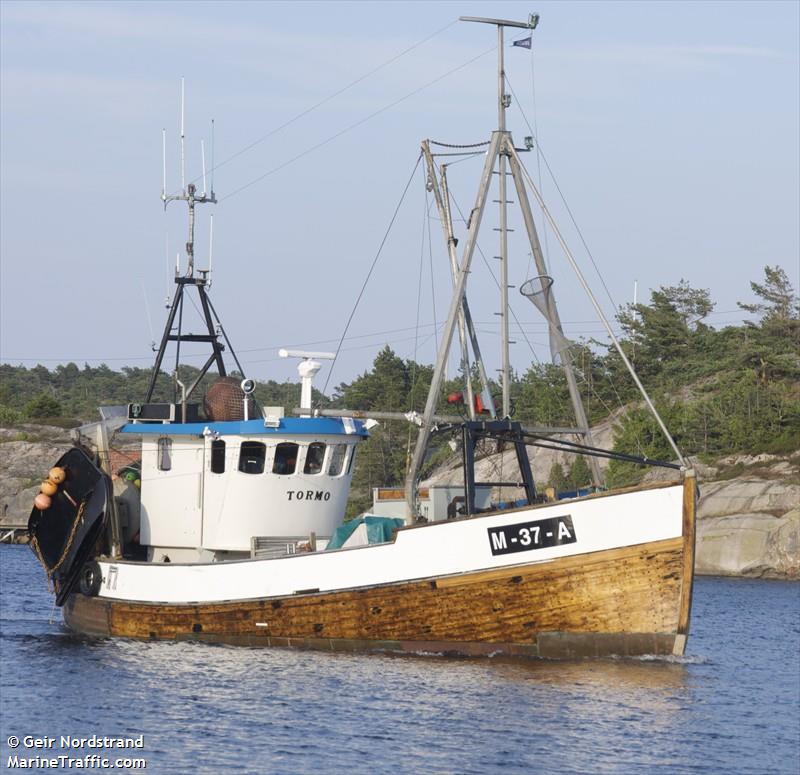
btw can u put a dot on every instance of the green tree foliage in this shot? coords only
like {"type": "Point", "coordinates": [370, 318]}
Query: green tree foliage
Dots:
{"type": "Point", "coordinates": [771, 347]}
{"type": "Point", "coordinates": [738, 387]}
{"type": "Point", "coordinates": [392, 385]}
{"type": "Point", "coordinates": [638, 434]}
{"type": "Point", "coordinates": [541, 397]}
{"type": "Point", "coordinates": [579, 473]}
{"type": "Point", "coordinates": [41, 406]}
{"type": "Point", "coordinates": [557, 479]}
{"type": "Point", "coordinates": [662, 336]}
{"type": "Point", "coordinates": [720, 391]}
{"type": "Point", "coordinates": [10, 416]}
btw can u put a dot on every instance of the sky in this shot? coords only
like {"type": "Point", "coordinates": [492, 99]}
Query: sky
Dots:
{"type": "Point", "coordinates": [671, 130]}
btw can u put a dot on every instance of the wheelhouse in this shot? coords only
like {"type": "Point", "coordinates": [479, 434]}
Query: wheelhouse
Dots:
{"type": "Point", "coordinates": [211, 491]}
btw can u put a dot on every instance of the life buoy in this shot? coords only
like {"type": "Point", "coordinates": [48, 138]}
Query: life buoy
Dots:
{"type": "Point", "coordinates": [91, 578]}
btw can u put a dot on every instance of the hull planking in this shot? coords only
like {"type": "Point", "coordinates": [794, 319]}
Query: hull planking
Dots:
{"type": "Point", "coordinates": [628, 601]}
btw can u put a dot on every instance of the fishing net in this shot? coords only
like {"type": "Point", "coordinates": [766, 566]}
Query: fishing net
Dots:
{"type": "Point", "coordinates": [224, 401]}
{"type": "Point", "coordinates": [538, 290]}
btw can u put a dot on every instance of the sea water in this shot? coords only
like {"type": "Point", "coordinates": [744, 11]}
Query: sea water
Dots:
{"type": "Point", "coordinates": [731, 705]}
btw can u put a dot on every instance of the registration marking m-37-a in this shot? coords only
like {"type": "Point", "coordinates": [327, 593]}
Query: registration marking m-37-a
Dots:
{"type": "Point", "coordinates": [526, 536]}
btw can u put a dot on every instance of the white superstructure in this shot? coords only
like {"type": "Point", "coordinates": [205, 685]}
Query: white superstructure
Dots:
{"type": "Point", "coordinates": [210, 490]}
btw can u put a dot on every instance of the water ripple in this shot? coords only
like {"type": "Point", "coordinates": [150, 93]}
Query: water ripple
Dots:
{"type": "Point", "coordinates": [729, 706]}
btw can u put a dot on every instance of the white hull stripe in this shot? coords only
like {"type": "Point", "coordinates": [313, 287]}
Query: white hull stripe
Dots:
{"type": "Point", "coordinates": [439, 549]}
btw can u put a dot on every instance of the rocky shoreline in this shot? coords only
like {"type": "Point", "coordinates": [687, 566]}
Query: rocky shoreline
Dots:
{"type": "Point", "coordinates": [749, 525]}
{"type": "Point", "coordinates": [748, 516]}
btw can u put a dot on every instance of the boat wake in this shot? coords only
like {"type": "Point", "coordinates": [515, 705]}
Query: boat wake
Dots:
{"type": "Point", "coordinates": [671, 659]}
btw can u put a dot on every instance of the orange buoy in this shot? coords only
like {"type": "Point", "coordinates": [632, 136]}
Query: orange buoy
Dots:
{"type": "Point", "coordinates": [49, 488]}
{"type": "Point", "coordinates": [42, 501]}
{"type": "Point", "coordinates": [57, 475]}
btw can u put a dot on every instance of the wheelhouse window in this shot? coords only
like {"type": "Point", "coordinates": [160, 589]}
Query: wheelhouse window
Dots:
{"type": "Point", "coordinates": [314, 458]}
{"type": "Point", "coordinates": [338, 455]}
{"type": "Point", "coordinates": [285, 458]}
{"type": "Point", "coordinates": [252, 456]}
{"type": "Point", "coordinates": [352, 458]}
{"type": "Point", "coordinates": [164, 454]}
{"type": "Point", "coordinates": [217, 456]}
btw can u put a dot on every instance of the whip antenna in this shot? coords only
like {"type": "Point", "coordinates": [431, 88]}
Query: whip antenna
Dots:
{"type": "Point", "coordinates": [183, 157]}
{"type": "Point", "coordinates": [203, 160]}
{"type": "Point", "coordinates": [210, 246]}
{"type": "Point", "coordinates": [164, 166]}
{"type": "Point", "coordinates": [173, 330]}
{"type": "Point", "coordinates": [212, 158]}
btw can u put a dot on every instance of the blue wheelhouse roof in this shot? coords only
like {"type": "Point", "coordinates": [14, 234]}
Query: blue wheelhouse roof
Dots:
{"type": "Point", "coordinates": [289, 426]}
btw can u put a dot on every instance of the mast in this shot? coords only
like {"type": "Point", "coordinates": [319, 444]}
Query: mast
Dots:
{"type": "Point", "coordinates": [502, 151]}
{"type": "Point", "coordinates": [503, 100]}
{"type": "Point", "coordinates": [447, 220]}
{"type": "Point", "coordinates": [191, 278]}
{"type": "Point", "coordinates": [466, 327]}
{"type": "Point", "coordinates": [476, 214]}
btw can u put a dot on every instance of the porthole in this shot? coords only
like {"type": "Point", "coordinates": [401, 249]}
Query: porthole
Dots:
{"type": "Point", "coordinates": [218, 456]}
{"type": "Point", "coordinates": [164, 454]}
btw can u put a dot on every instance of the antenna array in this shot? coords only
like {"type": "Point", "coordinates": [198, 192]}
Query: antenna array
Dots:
{"type": "Point", "coordinates": [189, 193]}
{"type": "Point", "coordinates": [173, 330]}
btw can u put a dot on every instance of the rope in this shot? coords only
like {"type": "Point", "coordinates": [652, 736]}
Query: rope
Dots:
{"type": "Point", "coordinates": [563, 199]}
{"type": "Point", "coordinates": [524, 334]}
{"type": "Point", "coordinates": [497, 283]}
{"type": "Point", "coordinates": [77, 521]}
{"type": "Point", "coordinates": [371, 269]}
{"type": "Point", "coordinates": [538, 159]}
{"type": "Point", "coordinates": [70, 540]}
{"type": "Point", "coordinates": [358, 123]}
{"type": "Point", "coordinates": [34, 544]}
{"type": "Point", "coordinates": [433, 286]}
{"type": "Point", "coordinates": [327, 99]}
{"type": "Point", "coordinates": [416, 324]}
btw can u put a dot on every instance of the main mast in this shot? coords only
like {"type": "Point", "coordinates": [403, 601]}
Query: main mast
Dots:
{"type": "Point", "coordinates": [503, 100]}
{"type": "Point", "coordinates": [501, 150]}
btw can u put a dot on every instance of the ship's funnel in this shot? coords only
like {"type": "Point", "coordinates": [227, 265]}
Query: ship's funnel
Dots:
{"type": "Point", "coordinates": [538, 290]}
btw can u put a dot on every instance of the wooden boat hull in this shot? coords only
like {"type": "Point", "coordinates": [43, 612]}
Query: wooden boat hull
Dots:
{"type": "Point", "coordinates": [629, 601]}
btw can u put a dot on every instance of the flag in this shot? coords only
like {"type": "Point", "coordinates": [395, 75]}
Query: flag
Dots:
{"type": "Point", "coordinates": [524, 42]}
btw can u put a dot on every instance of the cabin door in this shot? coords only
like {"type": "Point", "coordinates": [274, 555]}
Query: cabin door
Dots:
{"type": "Point", "coordinates": [172, 492]}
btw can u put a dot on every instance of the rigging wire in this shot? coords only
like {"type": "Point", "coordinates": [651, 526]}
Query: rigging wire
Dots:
{"type": "Point", "coordinates": [433, 285]}
{"type": "Point", "coordinates": [371, 269]}
{"type": "Point", "coordinates": [497, 282]}
{"type": "Point", "coordinates": [563, 198]}
{"type": "Point", "coordinates": [541, 156]}
{"type": "Point", "coordinates": [416, 322]}
{"type": "Point", "coordinates": [357, 124]}
{"type": "Point", "coordinates": [327, 99]}
{"type": "Point", "coordinates": [419, 300]}
{"type": "Point", "coordinates": [545, 228]}
{"type": "Point", "coordinates": [522, 331]}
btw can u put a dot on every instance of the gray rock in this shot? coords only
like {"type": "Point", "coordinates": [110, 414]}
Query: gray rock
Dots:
{"type": "Point", "coordinates": [744, 496]}
{"type": "Point", "coordinates": [759, 545]}
{"type": "Point", "coordinates": [23, 466]}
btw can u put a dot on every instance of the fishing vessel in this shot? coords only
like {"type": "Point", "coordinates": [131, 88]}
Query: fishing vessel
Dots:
{"type": "Point", "coordinates": [229, 529]}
